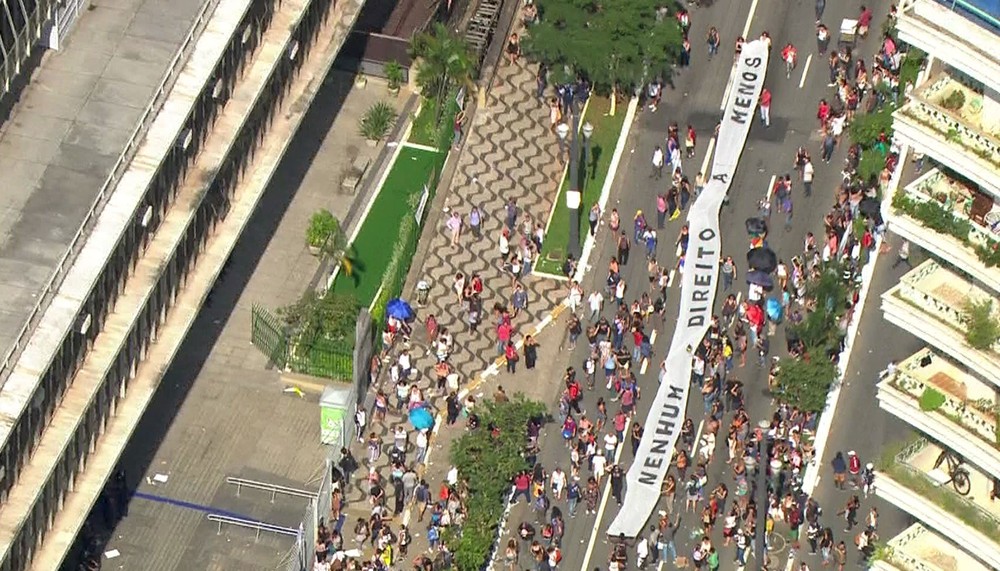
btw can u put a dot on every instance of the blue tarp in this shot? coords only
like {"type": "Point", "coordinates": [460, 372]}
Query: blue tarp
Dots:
{"type": "Point", "coordinates": [421, 418]}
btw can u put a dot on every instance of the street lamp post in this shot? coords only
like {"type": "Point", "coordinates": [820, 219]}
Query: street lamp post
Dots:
{"type": "Point", "coordinates": [573, 195]}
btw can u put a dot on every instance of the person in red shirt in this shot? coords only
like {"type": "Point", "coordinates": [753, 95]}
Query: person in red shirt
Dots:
{"type": "Point", "coordinates": [823, 113]}
{"type": "Point", "coordinates": [765, 107]}
{"type": "Point", "coordinates": [690, 141]}
{"type": "Point", "coordinates": [864, 21]}
{"type": "Point", "coordinates": [789, 55]}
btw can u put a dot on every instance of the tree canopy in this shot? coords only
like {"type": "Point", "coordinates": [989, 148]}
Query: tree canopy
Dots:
{"type": "Point", "coordinates": [445, 62]}
{"type": "Point", "coordinates": [611, 42]}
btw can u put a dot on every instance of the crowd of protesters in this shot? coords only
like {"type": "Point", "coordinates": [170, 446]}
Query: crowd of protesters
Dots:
{"type": "Point", "coordinates": [615, 321]}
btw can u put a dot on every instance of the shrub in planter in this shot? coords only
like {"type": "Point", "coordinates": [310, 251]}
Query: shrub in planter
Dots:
{"type": "Point", "coordinates": [982, 329]}
{"type": "Point", "coordinates": [394, 75]}
{"type": "Point", "coordinates": [954, 101]}
{"type": "Point", "coordinates": [931, 400]}
{"type": "Point", "coordinates": [377, 121]}
{"type": "Point", "coordinates": [321, 226]}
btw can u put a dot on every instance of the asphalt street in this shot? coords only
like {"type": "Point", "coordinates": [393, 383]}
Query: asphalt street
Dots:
{"type": "Point", "coordinates": [696, 98]}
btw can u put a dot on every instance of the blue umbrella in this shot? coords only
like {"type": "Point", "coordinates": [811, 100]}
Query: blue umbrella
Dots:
{"type": "Point", "coordinates": [421, 418]}
{"type": "Point", "coordinates": [399, 309]}
{"type": "Point", "coordinates": [774, 309]}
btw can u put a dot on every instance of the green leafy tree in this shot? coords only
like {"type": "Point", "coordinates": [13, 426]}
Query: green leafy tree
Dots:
{"type": "Point", "coordinates": [445, 63]}
{"type": "Point", "coordinates": [827, 298]}
{"type": "Point", "coordinates": [805, 383]}
{"type": "Point", "coordinates": [615, 44]}
{"type": "Point", "coordinates": [489, 462]}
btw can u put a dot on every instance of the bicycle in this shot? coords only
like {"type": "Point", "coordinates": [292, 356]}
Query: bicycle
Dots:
{"type": "Point", "coordinates": [958, 474]}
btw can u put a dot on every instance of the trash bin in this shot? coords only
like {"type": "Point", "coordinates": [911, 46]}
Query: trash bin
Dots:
{"type": "Point", "coordinates": [423, 292]}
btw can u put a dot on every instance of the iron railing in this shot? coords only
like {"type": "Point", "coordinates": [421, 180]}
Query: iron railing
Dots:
{"type": "Point", "coordinates": [121, 165]}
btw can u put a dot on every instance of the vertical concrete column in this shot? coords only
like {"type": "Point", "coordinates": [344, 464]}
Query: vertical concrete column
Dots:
{"type": "Point", "coordinates": [991, 111]}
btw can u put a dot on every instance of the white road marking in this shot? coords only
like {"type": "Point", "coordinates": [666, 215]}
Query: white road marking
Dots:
{"type": "Point", "coordinates": [746, 27]}
{"type": "Point", "coordinates": [670, 278]}
{"type": "Point", "coordinates": [697, 436]}
{"type": "Point", "coordinates": [708, 158]}
{"type": "Point", "coordinates": [805, 70]}
{"type": "Point", "coordinates": [652, 337]}
{"type": "Point", "coordinates": [645, 365]}
{"type": "Point", "coordinates": [600, 514]}
{"type": "Point", "coordinates": [729, 87]}
{"type": "Point", "coordinates": [770, 188]}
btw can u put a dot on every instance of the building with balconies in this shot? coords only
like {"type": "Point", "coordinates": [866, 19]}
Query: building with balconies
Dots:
{"type": "Point", "coordinates": [920, 549]}
{"type": "Point", "coordinates": [930, 302]}
{"type": "Point", "coordinates": [948, 392]}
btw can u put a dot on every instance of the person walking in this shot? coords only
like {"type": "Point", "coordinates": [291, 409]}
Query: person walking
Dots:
{"type": "Point", "coordinates": [713, 41]}
{"type": "Point", "coordinates": [728, 271]}
{"type": "Point", "coordinates": [594, 217]}
{"type": "Point", "coordinates": [690, 141]}
{"type": "Point", "coordinates": [903, 255]}
{"type": "Point", "coordinates": [829, 144]}
{"type": "Point", "coordinates": [765, 107]}
{"type": "Point", "coordinates": [820, 8]}
{"type": "Point", "coordinates": [511, 357]}
{"type": "Point", "coordinates": [807, 176]}
{"type": "Point", "coordinates": [657, 163]}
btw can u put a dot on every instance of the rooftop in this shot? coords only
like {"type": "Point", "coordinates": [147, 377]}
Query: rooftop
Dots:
{"type": "Point", "coordinates": [65, 137]}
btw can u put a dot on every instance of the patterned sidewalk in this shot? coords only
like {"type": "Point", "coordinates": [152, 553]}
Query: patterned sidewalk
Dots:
{"type": "Point", "coordinates": [509, 153]}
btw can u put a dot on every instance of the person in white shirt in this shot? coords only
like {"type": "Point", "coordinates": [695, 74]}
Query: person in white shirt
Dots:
{"type": "Point", "coordinates": [657, 164]}
{"type": "Point", "coordinates": [600, 463]}
{"type": "Point", "coordinates": [807, 177]}
{"type": "Point", "coordinates": [596, 301]}
{"type": "Point", "coordinates": [641, 552]}
{"type": "Point", "coordinates": [610, 443]}
{"type": "Point", "coordinates": [558, 482]}
{"type": "Point", "coordinates": [421, 446]}
{"type": "Point", "coordinates": [575, 297]}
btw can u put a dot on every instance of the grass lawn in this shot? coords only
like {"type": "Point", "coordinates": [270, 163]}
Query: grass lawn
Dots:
{"type": "Point", "coordinates": [607, 129]}
{"type": "Point", "coordinates": [374, 243]}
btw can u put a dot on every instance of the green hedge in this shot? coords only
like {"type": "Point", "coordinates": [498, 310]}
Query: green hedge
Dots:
{"type": "Point", "coordinates": [489, 464]}
{"type": "Point", "coordinates": [935, 216]}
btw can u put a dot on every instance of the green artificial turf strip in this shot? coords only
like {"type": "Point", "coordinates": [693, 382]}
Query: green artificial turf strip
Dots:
{"type": "Point", "coordinates": [607, 129]}
{"type": "Point", "coordinates": [374, 244]}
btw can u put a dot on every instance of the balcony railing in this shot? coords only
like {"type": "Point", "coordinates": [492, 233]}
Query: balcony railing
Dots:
{"type": "Point", "coordinates": [956, 199]}
{"type": "Point", "coordinates": [900, 469]}
{"type": "Point", "coordinates": [943, 294]}
{"type": "Point", "coordinates": [959, 128]}
{"type": "Point", "coordinates": [976, 416]}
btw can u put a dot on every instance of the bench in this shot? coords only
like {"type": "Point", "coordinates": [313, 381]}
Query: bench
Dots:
{"type": "Point", "coordinates": [354, 174]}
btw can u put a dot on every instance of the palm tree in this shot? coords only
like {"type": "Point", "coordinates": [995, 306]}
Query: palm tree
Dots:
{"type": "Point", "coordinates": [445, 63]}
{"type": "Point", "coordinates": [338, 248]}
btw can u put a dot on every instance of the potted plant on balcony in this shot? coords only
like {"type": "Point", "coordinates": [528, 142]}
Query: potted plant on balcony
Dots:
{"type": "Point", "coordinates": [982, 328]}
{"type": "Point", "coordinates": [394, 76]}
{"type": "Point", "coordinates": [377, 121]}
{"type": "Point", "coordinates": [322, 225]}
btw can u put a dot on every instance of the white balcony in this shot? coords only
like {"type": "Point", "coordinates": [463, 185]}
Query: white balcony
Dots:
{"type": "Point", "coordinates": [953, 130]}
{"type": "Point", "coordinates": [949, 35]}
{"type": "Point", "coordinates": [932, 394]}
{"type": "Point", "coordinates": [980, 235]}
{"type": "Point", "coordinates": [911, 482]}
{"type": "Point", "coordinates": [920, 549]}
{"type": "Point", "coordinates": [929, 302]}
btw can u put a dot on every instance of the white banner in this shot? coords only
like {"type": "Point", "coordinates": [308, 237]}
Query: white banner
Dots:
{"type": "Point", "coordinates": [699, 282]}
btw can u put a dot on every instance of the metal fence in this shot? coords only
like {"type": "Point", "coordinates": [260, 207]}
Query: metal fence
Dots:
{"type": "Point", "coordinates": [10, 67]}
{"type": "Point", "coordinates": [302, 352]}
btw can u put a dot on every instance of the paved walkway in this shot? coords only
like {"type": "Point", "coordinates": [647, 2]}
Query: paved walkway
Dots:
{"type": "Point", "coordinates": [509, 152]}
{"type": "Point", "coordinates": [65, 135]}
